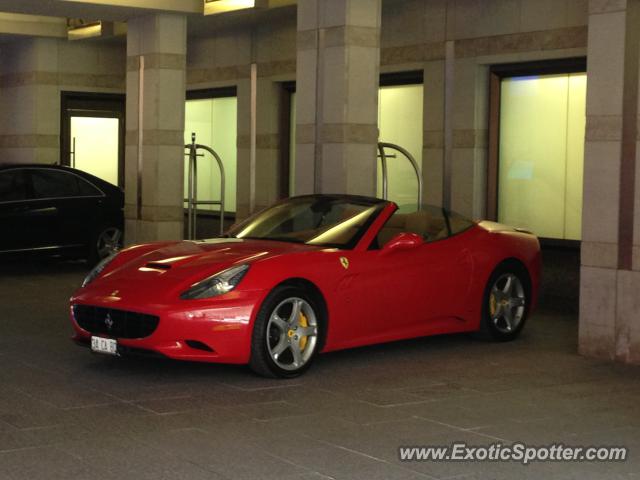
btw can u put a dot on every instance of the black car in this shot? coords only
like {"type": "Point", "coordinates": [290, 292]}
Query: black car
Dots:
{"type": "Point", "coordinates": [58, 210]}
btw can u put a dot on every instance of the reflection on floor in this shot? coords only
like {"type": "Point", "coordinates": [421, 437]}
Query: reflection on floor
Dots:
{"type": "Point", "coordinates": [65, 413]}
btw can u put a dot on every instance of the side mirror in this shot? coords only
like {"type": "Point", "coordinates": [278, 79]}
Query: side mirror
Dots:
{"type": "Point", "coordinates": [403, 241]}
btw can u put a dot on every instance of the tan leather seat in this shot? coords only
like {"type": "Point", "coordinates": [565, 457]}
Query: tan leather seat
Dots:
{"type": "Point", "coordinates": [424, 223]}
{"type": "Point", "coordinates": [395, 225]}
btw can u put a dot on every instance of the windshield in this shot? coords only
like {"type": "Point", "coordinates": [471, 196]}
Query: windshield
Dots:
{"type": "Point", "coordinates": [326, 220]}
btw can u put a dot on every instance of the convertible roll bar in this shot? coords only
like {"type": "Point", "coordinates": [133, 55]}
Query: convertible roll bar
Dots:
{"type": "Point", "coordinates": [192, 193]}
{"type": "Point", "coordinates": [383, 156]}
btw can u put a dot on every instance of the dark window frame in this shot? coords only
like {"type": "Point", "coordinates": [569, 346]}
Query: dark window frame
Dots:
{"type": "Point", "coordinates": [207, 93]}
{"type": "Point", "coordinates": [91, 104]}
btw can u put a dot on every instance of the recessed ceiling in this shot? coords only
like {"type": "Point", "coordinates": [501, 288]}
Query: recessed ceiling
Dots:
{"type": "Point", "coordinates": [121, 10]}
{"type": "Point", "coordinates": [116, 10]}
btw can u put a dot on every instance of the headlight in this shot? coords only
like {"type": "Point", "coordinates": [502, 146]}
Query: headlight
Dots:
{"type": "Point", "coordinates": [97, 270]}
{"type": "Point", "coordinates": [217, 284]}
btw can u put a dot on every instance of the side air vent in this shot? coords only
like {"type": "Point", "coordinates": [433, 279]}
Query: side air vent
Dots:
{"type": "Point", "coordinates": [198, 345]}
{"type": "Point", "coordinates": [158, 266]}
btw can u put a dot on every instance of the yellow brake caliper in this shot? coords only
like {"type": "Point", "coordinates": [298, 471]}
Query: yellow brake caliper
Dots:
{"type": "Point", "coordinates": [303, 323]}
{"type": "Point", "coordinates": [492, 304]}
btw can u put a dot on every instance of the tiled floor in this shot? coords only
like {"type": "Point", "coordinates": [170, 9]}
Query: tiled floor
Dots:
{"type": "Point", "coordinates": [67, 414]}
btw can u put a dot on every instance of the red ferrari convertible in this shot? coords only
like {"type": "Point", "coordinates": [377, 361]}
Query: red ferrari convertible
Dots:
{"type": "Point", "coordinates": [311, 274]}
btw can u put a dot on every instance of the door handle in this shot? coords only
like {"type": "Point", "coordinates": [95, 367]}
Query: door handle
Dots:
{"type": "Point", "coordinates": [44, 211]}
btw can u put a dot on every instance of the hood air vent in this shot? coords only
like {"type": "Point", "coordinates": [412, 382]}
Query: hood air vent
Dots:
{"type": "Point", "coordinates": [158, 266]}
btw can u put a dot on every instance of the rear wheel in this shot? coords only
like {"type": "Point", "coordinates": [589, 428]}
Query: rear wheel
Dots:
{"type": "Point", "coordinates": [286, 333]}
{"type": "Point", "coordinates": [506, 303]}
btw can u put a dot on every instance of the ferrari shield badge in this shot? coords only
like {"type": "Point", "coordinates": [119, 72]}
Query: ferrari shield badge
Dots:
{"type": "Point", "coordinates": [345, 262]}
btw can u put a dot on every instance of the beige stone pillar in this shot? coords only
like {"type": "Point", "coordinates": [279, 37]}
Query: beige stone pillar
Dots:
{"type": "Point", "coordinates": [469, 138]}
{"type": "Point", "coordinates": [433, 135]}
{"type": "Point", "coordinates": [29, 102]}
{"type": "Point", "coordinates": [156, 53]}
{"type": "Point", "coordinates": [338, 64]}
{"type": "Point", "coordinates": [610, 272]}
{"type": "Point", "coordinates": [268, 144]}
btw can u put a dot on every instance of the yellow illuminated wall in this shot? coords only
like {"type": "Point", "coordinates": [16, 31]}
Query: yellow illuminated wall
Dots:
{"type": "Point", "coordinates": [542, 124]}
{"type": "Point", "coordinates": [96, 146]}
{"type": "Point", "coordinates": [214, 122]}
{"type": "Point", "coordinates": [399, 122]}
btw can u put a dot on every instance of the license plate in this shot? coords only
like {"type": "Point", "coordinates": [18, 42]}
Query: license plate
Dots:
{"type": "Point", "coordinates": [104, 345]}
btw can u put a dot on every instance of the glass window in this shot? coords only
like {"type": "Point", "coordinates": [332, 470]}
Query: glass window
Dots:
{"type": "Point", "coordinates": [53, 184]}
{"type": "Point", "coordinates": [459, 223]}
{"type": "Point", "coordinates": [96, 146]}
{"type": "Point", "coordinates": [542, 126]}
{"type": "Point", "coordinates": [213, 120]}
{"type": "Point", "coordinates": [430, 222]}
{"type": "Point", "coordinates": [326, 220]}
{"type": "Point", "coordinates": [13, 186]}
{"type": "Point", "coordinates": [400, 122]}
{"type": "Point", "coordinates": [86, 189]}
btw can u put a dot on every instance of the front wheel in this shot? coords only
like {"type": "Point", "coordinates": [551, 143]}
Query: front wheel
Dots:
{"type": "Point", "coordinates": [285, 334]}
{"type": "Point", "coordinates": [506, 303]}
{"type": "Point", "coordinates": [106, 241]}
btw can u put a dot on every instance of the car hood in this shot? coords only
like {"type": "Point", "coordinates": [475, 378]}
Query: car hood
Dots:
{"type": "Point", "coordinates": [177, 266]}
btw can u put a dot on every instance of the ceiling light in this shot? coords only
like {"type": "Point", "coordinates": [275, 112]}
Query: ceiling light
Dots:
{"type": "Point", "coordinates": [212, 7]}
{"type": "Point", "coordinates": [79, 29]}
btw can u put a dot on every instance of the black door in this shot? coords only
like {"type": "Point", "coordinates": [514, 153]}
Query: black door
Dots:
{"type": "Point", "coordinates": [14, 211]}
{"type": "Point", "coordinates": [66, 206]}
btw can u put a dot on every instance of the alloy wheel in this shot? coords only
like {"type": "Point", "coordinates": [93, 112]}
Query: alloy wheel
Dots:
{"type": "Point", "coordinates": [292, 333]}
{"type": "Point", "coordinates": [507, 302]}
{"type": "Point", "coordinates": [109, 242]}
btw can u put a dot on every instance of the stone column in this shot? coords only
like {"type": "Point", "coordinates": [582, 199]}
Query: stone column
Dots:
{"type": "Point", "coordinates": [470, 138]}
{"type": "Point", "coordinates": [154, 159]}
{"type": "Point", "coordinates": [610, 272]}
{"type": "Point", "coordinates": [268, 144]}
{"type": "Point", "coordinates": [433, 135]}
{"type": "Point", "coordinates": [338, 65]}
{"type": "Point", "coordinates": [30, 103]}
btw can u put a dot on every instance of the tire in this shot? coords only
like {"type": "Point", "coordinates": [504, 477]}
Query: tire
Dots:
{"type": "Point", "coordinates": [284, 343]}
{"type": "Point", "coordinates": [104, 242]}
{"type": "Point", "coordinates": [505, 304]}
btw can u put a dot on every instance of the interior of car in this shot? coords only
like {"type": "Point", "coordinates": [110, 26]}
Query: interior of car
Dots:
{"type": "Point", "coordinates": [429, 224]}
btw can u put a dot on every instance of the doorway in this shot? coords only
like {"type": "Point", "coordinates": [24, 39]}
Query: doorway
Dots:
{"type": "Point", "coordinates": [211, 115]}
{"type": "Point", "coordinates": [92, 133]}
{"type": "Point", "coordinates": [536, 157]}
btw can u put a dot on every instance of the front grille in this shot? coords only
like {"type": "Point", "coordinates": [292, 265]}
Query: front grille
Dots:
{"type": "Point", "coordinates": [115, 323]}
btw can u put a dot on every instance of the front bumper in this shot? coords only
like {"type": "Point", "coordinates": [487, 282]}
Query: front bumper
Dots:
{"type": "Point", "coordinates": [209, 330]}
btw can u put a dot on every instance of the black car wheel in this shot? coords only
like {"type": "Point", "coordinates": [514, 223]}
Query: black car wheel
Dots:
{"type": "Point", "coordinates": [506, 303]}
{"type": "Point", "coordinates": [106, 241]}
{"type": "Point", "coordinates": [286, 333]}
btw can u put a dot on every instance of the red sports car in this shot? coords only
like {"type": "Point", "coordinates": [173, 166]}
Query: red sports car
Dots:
{"type": "Point", "coordinates": [311, 274]}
